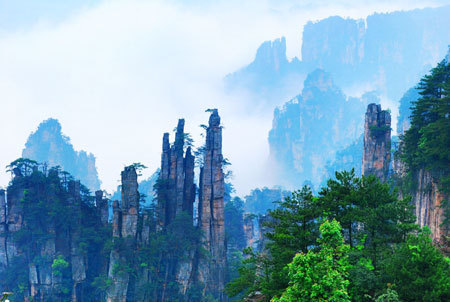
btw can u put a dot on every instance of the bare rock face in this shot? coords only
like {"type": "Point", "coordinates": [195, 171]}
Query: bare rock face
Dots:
{"type": "Point", "coordinates": [211, 211]}
{"type": "Point", "coordinates": [428, 200]}
{"type": "Point", "coordinates": [377, 142]}
{"type": "Point", "coordinates": [125, 224]}
{"type": "Point", "coordinates": [176, 189]}
{"type": "Point", "coordinates": [3, 234]}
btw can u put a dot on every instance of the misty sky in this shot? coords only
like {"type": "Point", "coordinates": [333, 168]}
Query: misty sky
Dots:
{"type": "Point", "coordinates": [117, 74]}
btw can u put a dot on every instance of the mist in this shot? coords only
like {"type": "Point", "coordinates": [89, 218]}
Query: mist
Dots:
{"type": "Point", "coordinates": [117, 74]}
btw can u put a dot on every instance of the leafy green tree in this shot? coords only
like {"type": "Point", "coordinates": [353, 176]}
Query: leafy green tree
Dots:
{"type": "Point", "coordinates": [373, 219]}
{"type": "Point", "coordinates": [294, 228]}
{"type": "Point", "coordinates": [418, 270]}
{"type": "Point", "coordinates": [320, 275]}
{"type": "Point", "coordinates": [426, 143]}
{"type": "Point", "coordinates": [340, 200]}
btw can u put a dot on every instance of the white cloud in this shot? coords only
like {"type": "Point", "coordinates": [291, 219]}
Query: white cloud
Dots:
{"type": "Point", "coordinates": [119, 74]}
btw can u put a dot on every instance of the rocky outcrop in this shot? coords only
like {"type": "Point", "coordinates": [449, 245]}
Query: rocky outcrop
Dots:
{"type": "Point", "coordinates": [176, 188]}
{"type": "Point", "coordinates": [211, 270]}
{"type": "Point", "coordinates": [377, 142]}
{"type": "Point", "coordinates": [125, 226]}
{"type": "Point", "coordinates": [49, 145]}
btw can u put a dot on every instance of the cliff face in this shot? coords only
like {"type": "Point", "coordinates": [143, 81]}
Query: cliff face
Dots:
{"type": "Point", "coordinates": [428, 201]}
{"type": "Point", "coordinates": [48, 144]}
{"type": "Point", "coordinates": [43, 220]}
{"type": "Point", "coordinates": [309, 129]}
{"type": "Point", "coordinates": [377, 142]}
{"type": "Point", "coordinates": [211, 271]}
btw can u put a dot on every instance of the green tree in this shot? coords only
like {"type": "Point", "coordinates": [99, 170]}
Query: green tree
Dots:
{"type": "Point", "coordinates": [320, 275]}
{"type": "Point", "coordinates": [294, 228]}
{"type": "Point", "coordinates": [418, 270]}
{"type": "Point", "coordinates": [426, 143]}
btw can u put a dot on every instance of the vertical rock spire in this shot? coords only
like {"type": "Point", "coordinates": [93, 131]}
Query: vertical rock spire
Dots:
{"type": "Point", "coordinates": [176, 189]}
{"type": "Point", "coordinates": [211, 210]}
{"type": "Point", "coordinates": [125, 225]}
{"type": "Point", "coordinates": [377, 142]}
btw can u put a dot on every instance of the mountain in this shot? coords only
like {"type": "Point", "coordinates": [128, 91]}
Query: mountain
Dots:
{"type": "Point", "coordinates": [48, 144]}
{"type": "Point", "coordinates": [387, 52]}
{"type": "Point", "coordinates": [307, 130]}
{"type": "Point", "coordinates": [391, 51]}
{"type": "Point", "coordinates": [271, 76]}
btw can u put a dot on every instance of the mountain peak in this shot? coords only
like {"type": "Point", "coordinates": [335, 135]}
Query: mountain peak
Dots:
{"type": "Point", "coordinates": [272, 53]}
{"type": "Point", "coordinates": [48, 144]}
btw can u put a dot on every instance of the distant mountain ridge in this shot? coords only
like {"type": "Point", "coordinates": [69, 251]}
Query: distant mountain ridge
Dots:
{"type": "Point", "coordinates": [387, 52]}
{"type": "Point", "coordinates": [48, 144]}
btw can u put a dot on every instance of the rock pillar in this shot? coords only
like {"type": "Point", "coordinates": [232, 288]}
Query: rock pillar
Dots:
{"type": "Point", "coordinates": [211, 271]}
{"type": "Point", "coordinates": [377, 142]}
{"type": "Point", "coordinates": [125, 223]}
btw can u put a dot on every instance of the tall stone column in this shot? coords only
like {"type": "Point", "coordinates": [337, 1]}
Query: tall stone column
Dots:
{"type": "Point", "coordinates": [211, 271]}
{"type": "Point", "coordinates": [377, 142]}
{"type": "Point", "coordinates": [125, 221]}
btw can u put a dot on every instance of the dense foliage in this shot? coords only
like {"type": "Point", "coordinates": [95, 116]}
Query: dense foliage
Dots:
{"type": "Point", "coordinates": [427, 142]}
{"type": "Point", "coordinates": [376, 226]}
{"type": "Point", "coordinates": [322, 275]}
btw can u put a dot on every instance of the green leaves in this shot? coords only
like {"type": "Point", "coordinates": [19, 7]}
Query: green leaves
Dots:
{"type": "Point", "coordinates": [321, 275]}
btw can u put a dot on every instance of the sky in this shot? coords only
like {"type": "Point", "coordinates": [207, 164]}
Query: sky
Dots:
{"type": "Point", "coordinates": [117, 74]}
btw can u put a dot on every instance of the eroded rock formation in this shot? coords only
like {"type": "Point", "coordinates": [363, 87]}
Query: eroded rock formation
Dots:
{"type": "Point", "coordinates": [125, 226]}
{"type": "Point", "coordinates": [211, 271]}
{"type": "Point", "coordinates": [377, 142]}
{"type": "Point", "coordinates": [176, 189]}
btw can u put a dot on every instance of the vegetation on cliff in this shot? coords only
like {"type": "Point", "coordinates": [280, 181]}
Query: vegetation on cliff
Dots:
{"type": "Point", "coordinates": [427, 142]}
